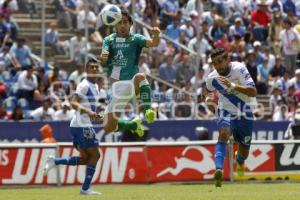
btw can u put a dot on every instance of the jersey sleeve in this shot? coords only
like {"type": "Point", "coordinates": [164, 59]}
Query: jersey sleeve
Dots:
{"type": "Point", "coordinates": [81, 90]}
{"type": "Point", "coordinates": [245, 77]}
{"type": "Point", "coordinates": [209, 86]}
{"type": "Point", "coordinates": [141, 40]}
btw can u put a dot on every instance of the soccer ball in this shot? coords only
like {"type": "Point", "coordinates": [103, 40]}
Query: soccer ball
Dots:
{"type": "Point", "coordinates": [111, 15]}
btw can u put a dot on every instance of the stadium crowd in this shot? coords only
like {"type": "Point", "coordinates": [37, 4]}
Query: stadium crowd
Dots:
{"type": "Point", "coordinates": [264, 35]}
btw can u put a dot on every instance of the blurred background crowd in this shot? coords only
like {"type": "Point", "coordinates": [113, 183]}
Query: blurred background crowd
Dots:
{"type": "Point", "coordinates": [264, 35]}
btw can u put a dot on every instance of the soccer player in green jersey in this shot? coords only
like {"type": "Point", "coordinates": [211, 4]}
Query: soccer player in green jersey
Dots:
{"type": "Point", "coordinates": [121, 51]}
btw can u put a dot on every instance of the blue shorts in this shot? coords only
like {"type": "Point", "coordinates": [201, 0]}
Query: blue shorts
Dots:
{"type": "Point", "coordinates": [84, 137]}
{"type": "Point", "coordinates": [241, 129]}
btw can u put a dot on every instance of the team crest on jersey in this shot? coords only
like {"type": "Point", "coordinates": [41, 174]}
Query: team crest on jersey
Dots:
{"type": "Point", "coordinates": [119, 55]}
{"type": "Point", "coordinates": [88, 134]}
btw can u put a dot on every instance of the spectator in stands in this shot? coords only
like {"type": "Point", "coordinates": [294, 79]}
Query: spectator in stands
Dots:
{"type": "Point", "coordinates": [21, 54]}
{"type": "Point", "coordinates": [4, 115]}
{"type": "Point", "coordinates": [296, 80]}
{"type": "Point", "coordinates": [188, 29]}
{"type": "Point", "coordinates": [78, 74]}
{"type": "Point", "coordinates": [274, 31]}
{"type": "Point", "coordinates": [39, 95]}
{"type": "Point", "coordinates": [289, 5]}
{"type": "Point", "coordinates": [72, 8]}
{"type": "Point", "coordinates": [27, 83]}
{"type": "Point", "coordinates": [276, 5]}
{"type": "Point", "coordinates": [17, 114]}
{"type": "Point", "coordinates": [168, 12]}
{"type": "Point", "coordinates": [64, 114]}
{"type": "Point", "coordinates": [43, 113]}
{"type": "Point", "coordinates": [6, 61]}
{"type": "Point", "coordinates": [237, 28]}
{"type": "Point", "coordinates": [184, 108]}
{"type": "Point", "coordinates": [52, 38]}
{"type": "Point", "coordinates": [203, 46]}
{"type": "Point", "coordinates": [4, 31]}
{"type": "Point", "coordinates": [167, 70]}
{"type": "Point", "coordinates": [223, 43]}
{"type": "Point", "coordinates": [88, 16]}
{"type": "Point", "coordinates": [260, 18]}
{"type": "Point", "coordinates": [258, 52]}
{"type": "Point", "coordinates": [283, 81]}
{"type": "Point", "coordinates": [289, 40]}
{"type": "Point", "coordinates": [251, 64]}
{"type": "Point", "coordinates": [271, 57]}
{"type": "Point", "coordinates": [263, 77]}
{"type": "Point", "coordinates": [185, 71]}
{"type": "Point", "coordinates": [278, 69]}
{"type": "Point", "coordinates": [238, 45]}
{"type": "Point", "coordinates": [41, 76]}
{"type": "Point", "coordinates": [217, 30]}
{"type": "Point", "coordinates": [160, 95]}
{"type": "Point", "coordinates": [197, 80]}
{"type": "Point", "coordinates": [210, 16]}
{"type": "Point", "coordinates": [280, 112]}
{"type": "Point", "coordinates": [79, 47]}
{"type": "Point", "coordinates": [173, 30]}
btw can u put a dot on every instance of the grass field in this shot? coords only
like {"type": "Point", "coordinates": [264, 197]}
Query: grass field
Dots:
{"type": "Point", "coordinates": [271, 191]}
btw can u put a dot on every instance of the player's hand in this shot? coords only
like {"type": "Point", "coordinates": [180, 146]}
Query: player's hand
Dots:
{"type": "Point", "coordinates": [104, 56]}
{"type": "Point", "coordinates": [155, 30]}
{"type": "Point", "coordinates": [95, 117]}
{"type": "Point", "coordinates": [225, 81]}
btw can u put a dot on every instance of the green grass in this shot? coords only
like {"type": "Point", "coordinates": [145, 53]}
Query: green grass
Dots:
{"type": "Point", "coordinates": [284, 191]}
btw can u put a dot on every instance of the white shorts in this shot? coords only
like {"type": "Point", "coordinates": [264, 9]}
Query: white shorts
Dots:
{"type": "Point", "coordinates": [122, 93]}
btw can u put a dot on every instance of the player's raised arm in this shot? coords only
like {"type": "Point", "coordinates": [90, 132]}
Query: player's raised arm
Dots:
{"type": "Point", "coordinates": [105, 51]}
{"type": "Point", "coordinates": [155, 40]}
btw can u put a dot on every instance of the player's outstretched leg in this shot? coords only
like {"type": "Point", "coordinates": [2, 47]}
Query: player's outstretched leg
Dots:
{"type": "Point", "coordinates": [113, 124]}
{"type": "Point", "coordinates": [134, 125]}
{"type": "Point", "coordinates": [52, 162]}
{"type": "Point", "coordinates": [143, 88]}
{"type": "Point", "coordinates": [240, 156]}
{"type": "Point", "coordinates": [220, 153]}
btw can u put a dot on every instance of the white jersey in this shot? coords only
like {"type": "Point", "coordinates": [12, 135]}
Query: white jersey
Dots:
{"type": "Point", "coordinates": [234, 102]}
{"type": "Point", "coordinates": [89, 94]}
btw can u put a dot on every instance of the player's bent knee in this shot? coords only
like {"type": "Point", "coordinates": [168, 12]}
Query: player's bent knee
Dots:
{"type": "Point", "coordinates": [139, 77]}
{"type": "Point", "coordinates": [224, 134]}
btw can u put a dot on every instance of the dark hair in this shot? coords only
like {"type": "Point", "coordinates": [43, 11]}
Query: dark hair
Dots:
{"type": "Point", "coordinates": [288, 21]}
{"type": "Point", "coordinates": [90, 61]}
{"type": "Point", "coordinates": [125, 13]}
{"type": "Point", "coordinates": [217, 52]}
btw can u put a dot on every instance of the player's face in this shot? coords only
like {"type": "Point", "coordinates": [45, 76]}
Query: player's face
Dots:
{"type": "Point", "coordinates": [123, 27]}
{"type": "Point", "coordinates": [220, 63]}
{"type": "Point", "coordinates": [92, 70]}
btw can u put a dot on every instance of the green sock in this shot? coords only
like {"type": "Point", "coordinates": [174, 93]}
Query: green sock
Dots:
{"type": "Point", "coordinates": [145, 94]}
{"type": "Point", "coordinates": [126, 125]}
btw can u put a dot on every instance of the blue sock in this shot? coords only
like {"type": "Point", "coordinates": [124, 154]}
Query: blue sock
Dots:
{"type": "Point", "coordinates": [239, 158]}
{"type": "Point", "coordinates": [90, 170]}
{"type": "Point", "coordinates": [220, 152]}
{"type": "Point", "coordinates": [66, 161]}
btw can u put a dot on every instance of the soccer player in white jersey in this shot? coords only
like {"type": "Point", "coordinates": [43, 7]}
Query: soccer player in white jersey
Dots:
{"type": "Point", "coordinates": [236, 99]}
{"type": "Point", "coordinates": [81, 127]}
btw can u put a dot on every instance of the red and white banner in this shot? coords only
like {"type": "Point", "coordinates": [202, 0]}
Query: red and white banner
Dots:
{"type": "Point", "coordinates": [139, 163]}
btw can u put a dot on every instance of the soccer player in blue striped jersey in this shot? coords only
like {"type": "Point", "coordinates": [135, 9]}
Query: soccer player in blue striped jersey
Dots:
{"type": "Point", "coordinates": [84, 102]}
{"type": "Point", "coordinates": [236, 99]}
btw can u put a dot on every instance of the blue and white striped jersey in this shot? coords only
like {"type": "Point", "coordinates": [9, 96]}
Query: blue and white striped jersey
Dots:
{"type": "Point", "coordinates": [89, 94]}
{"type": "Point", "coordinates": [234, 102]}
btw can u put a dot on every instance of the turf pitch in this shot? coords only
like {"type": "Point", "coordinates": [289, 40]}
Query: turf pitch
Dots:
{"type": "Point", "coordinates": [253, 191]}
